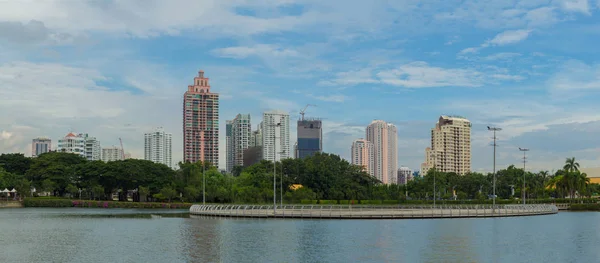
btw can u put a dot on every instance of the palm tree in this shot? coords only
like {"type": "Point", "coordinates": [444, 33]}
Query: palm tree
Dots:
{"type": "Point", "coordinates": [571, 165]}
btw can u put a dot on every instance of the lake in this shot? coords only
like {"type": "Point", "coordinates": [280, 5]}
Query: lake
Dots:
{"type": "Point", "coordinates": [131, 235]}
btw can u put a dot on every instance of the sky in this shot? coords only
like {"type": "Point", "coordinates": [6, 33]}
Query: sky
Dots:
{"type": "Point", "coordinates": [118, 69]}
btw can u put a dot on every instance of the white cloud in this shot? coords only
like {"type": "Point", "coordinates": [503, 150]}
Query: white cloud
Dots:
{"type": "Point", "coordinates": [260, 50]}
{"type": "Point", "coordinates": [331, 98]}
{"type": "Point", "coordinates": [469, 50]}
{"type": "Point", "coordinates": [509, 37]}
{"type": "Point", "coordinates": [502, 56]}
{"type": "Point", "coordinates": [421, 75]}
{"type": "Point", "coordinates": [581, 6]}
{"type": "Point", "coordinates": [53, 99]}
{"type": "Point", "coordinates": [575, 76]}
{"type": "Point", "coordinates": [5, 135]}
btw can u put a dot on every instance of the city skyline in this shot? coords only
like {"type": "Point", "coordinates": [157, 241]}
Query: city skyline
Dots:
{"type": "Point", "coordinates": [496, 63]}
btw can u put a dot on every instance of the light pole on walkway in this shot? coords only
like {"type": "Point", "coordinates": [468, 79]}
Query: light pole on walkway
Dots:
{"type": "Point", "coordinates": [494, 129]}
{"type": "Point", "coordinates": [524, 150]}
{"type": "Point", "coordinates": [274, 164]}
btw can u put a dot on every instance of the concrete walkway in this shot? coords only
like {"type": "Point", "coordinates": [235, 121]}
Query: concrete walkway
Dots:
{"type": "Point", "coordinates": [372, 212]}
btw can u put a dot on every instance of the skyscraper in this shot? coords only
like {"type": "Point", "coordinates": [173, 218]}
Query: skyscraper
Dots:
{"type": "Point", "coordinates": [112, 154]}
{"type": "Point", "coordinates": [276, 135]}
{"type": "Point", "coordinates": [242, 131]}
{"type": "Point", "coordinates": [404, 175]}
{"type": "Point", "coordinates": [450, 149]}
{"type": "Point", "coordinates": [310, 138]}
{"type": "Point", "coordinates": [40, 145]}
{"type": "Point", "coordinates": [384, 137]}
{"type": "Point", "coordinates": [201, 122]}
{"type": "Point", "coordinates": [362, 155]}
{"type": "Point", "coordinates": [158, 147]}
{"type": "Point", "coordinates": [229, 152]}
{"type": "Point", "coordinates": [82, 144]}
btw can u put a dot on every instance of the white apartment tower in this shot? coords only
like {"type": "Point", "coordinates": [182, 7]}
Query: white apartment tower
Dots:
{"type": "Point", "coordinates": [157, 147]}
{"type": "Point", "coordinates": [82, 144]}
{"type": "Point", "coordinates": [238, 139]}
{"type": "Point", "coordinates": [450, 149]}
{"type": "Point", "coordinates": [112, 154]}
{"type": "Point", "coordinates": [275, 135]}
{"type": "Point", "coordinates": [384, 137]}
{"type": "Point", "coordinates": [93, 152]}
{"type": "Point", "coordinates": [362, 155]}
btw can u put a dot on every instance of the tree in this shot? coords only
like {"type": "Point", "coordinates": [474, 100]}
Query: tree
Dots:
{"type": "Point", "coordinates": [71, 189]}
{"type": "Point", "coordinates": [571, 165]}
{"type": "Point", "coordinates": [98, 191]}
{"type": "Point", "coordinates": [168, 192]}
{"type": "Point", "coordinates": [143, 191]}
{"type": "Point", "coordinates": [15, 163]}
{"type": "Point", "coordinates": [23, 187]}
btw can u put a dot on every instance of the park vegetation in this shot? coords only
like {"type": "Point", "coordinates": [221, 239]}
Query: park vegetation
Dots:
{"type": "Point", "coordinates": [324, 178]}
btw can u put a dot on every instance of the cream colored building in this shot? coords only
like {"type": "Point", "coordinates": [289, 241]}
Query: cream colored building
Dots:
{"type": "Point", "coordinates": [450, 149]}
{"type": "Point", "coordinates": [592, 173]}
{"type": "Point", "coordinates": [384, 137]}
{"type": "Point", "coordinates": [362, 155]}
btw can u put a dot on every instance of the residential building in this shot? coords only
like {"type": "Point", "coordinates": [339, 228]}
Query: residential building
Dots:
{"type": "Point", "coordinates": [242, 131]}
{"type": "Point", "coordinates": [201, 122]}
{"type": "Point", "coordinates": [384, 137]}
{"type": "Point", "coordinates": [229, 152]}
{"type": "Point", "coordinates": [450, 149]}
{"type": "Point", "coordinates": [239, 137]}
{"type": "Point", "coordinates": [72, 143]}
{"type": "Point", "coordinates": [93, 151]}
{"type": "Point", "coordinates": [40, 145]}
{"type": "Point", "coordinates": [310, 138]}
{"type": "Point", "coordinates": [404, 175]}
{"type": "Point", "coordinates": [256, 136]}
{"type": "Point", "coordinates": [112, 154]}
{"type": "Point", "coordinates": [158, 147]}
{"type": "Point", "coordinates": [276, 135]}
{"type": "Point", "coordinates": [362, 155]}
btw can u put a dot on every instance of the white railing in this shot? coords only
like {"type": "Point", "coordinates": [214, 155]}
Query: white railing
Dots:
{"type": "Point", "coordinates": [367, 211]}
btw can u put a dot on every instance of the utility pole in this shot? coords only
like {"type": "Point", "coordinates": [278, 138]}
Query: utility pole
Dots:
{"type": "Point", "coordinates": [524, 150]}
{"type": "Point", "coordinates": [434, 172]}
{"type": "Point", "coordinates": [275, 164]}
{"type": "Point", "coordinates": [494, 129]}
{"type": "Point", "coordinates": [203, 184]}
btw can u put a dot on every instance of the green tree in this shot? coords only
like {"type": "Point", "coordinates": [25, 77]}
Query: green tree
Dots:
{"type": "Point", "coordinates": [143, 192]}
{"type": "Point", "coordinates": [15, 163]}
{"type": "Point", "coordinates": [71, 189]}
{"type": "Point", "coordinates": [168, 192]}
{"type": "Point", "coordinates": [23, 187]}
{"type": "Point", "coordinates": [571, 165]}
{"type": "Point", "coordinates": [98, 192]}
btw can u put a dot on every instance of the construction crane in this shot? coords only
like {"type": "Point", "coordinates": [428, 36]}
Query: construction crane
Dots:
{"type": "Point", "coordinates": [304, 110]}
{"type": "Point", "coordinates": [122, 150]}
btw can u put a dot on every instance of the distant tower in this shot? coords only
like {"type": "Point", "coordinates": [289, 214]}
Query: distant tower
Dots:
{"type": "Point", "coordinates": [384, 137]}
{"type": "Point", "coordinates": [40, 145]}
{"type": "Point", "coordinates": [201, 122]}
{"type": "Point", "coordinates": [362, 155]}
{"type": "Point", "coordinates": [310, 138]}
{"type": "Point", "coordinates": [275, 139]}
{"type": "Point", "coordinates": [158, 147]}
{"type": "Point", "coordinates": [450, 149]}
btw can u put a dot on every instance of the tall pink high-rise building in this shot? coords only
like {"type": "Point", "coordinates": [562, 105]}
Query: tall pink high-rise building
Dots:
{"type": "Point", "coordinates": [362, 155]}
{"type": "Point", "coordinates": [384, 137]}
{"type": "Point", "coordinates": [201, 122]}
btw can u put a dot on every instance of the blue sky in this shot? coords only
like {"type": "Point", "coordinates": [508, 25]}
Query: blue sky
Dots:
{"type": "Point", "coordinates": [119, 68]}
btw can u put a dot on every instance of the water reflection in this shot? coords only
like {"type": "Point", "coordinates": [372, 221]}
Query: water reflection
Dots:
{"type": "Point", "coordinates": [82, 235]}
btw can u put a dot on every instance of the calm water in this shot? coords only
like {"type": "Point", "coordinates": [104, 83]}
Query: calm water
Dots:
{"type": "Point", "coordinates": [113, 235]}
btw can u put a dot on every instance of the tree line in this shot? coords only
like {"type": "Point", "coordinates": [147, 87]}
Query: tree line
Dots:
{"type": "Point", "coordinates": [319, 177]}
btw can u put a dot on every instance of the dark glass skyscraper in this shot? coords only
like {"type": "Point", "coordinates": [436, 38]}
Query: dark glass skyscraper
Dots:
{"type": "Point", "coordinates": [310, 138]}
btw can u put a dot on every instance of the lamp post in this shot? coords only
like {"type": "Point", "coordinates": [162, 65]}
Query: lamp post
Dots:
{"type": "Point", "coordinates": [524, 150]}
{"type": "Point", "coordinates": [281, 183]}
{"type": "Point", "coordinates": [203, 184]}
{"type": "Point", "coordinates": [274, 164]}
{"type": "Point", "coordinates": [435, 154]}
{"type": "Point", "coordinates": [494, 129]}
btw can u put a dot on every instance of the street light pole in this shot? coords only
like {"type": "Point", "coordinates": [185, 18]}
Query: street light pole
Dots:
{"type": "Point", "coordinates": [203, 184]}
{"type": "Point", "coordinates": [434, 172]}
{"type": "Point", "coordinates": [275, 166]}
{"type": "Point", "coordinates": [494, 129]}
{"type": "Point", "coordinates": [524, 150]}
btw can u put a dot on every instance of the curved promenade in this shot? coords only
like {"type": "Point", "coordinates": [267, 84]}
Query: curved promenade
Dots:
{"type": "Point", "coordinates": [372, 212]}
